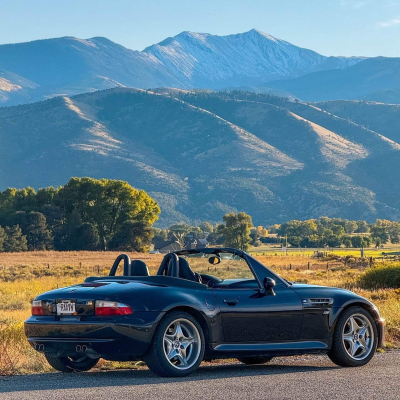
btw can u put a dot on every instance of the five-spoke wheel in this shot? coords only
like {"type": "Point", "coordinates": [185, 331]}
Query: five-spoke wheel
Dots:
{"type": "Point", "coordinates": [354, 339]}
{"type": "Point", "coordinates": [178, 345]}
{"type": "Point", "coordinates": [358, 336]}
{"type": "Point", "coordinates": [182, 344]}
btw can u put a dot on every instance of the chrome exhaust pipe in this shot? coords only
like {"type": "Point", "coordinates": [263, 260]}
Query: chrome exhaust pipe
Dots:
{"type": "Point", "coordinates": [39, 348]}
{"type": "Point", "coordinates": [81, 348]}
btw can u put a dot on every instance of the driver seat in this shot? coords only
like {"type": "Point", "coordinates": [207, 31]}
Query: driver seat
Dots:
{"type": "Point", "coordinates": [185, 272]}
{"type": "Point", "coordinates": [139, 268]}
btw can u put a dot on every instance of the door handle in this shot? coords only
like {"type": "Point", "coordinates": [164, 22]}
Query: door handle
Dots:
{"type": "Point", "coordinates": [231, 302]}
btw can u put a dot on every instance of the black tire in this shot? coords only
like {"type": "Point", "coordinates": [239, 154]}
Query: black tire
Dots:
{"type": "Point", "coordinates": [156, 358]}
{"type": "Point", "coordinates": [68, 364]}
{"type": "Point", "coordinates": [338, 353]}
{"type": "Point", "coordinates": [255, 360]}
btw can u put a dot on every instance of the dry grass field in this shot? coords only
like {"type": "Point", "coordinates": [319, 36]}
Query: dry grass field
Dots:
{"type": "Point", "coordinates": [25, 275]}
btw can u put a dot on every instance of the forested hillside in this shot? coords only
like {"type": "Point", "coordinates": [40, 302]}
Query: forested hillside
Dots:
{"type": "Point", "coordinates": [202, 154]}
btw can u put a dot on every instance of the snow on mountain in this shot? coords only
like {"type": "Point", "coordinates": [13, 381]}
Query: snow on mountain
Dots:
{"type": "Point", "coordinates": [250, 58]}
{"type": "Point", "coordinates": [65, 66]}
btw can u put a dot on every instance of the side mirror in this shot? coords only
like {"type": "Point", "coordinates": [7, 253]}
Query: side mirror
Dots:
{"type": "Point", "coordinates": [214, 260]}
{"type": "Point", "coordinates": [269, 285]}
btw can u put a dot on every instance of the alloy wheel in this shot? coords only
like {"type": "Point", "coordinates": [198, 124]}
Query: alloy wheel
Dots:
{"type": "Point", "coordinates": [182, 344]}
{"type": "Point", "coordinates": [358, 336]}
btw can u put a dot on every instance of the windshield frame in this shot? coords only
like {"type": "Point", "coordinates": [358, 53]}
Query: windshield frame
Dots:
{"type": "Point", "coordinates": [258, 269]}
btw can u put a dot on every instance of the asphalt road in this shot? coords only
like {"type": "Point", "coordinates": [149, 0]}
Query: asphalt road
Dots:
{"type": "Point", "coordinates": [308, 377]}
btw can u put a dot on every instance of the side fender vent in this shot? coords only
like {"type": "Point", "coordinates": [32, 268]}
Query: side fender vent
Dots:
{"type": "Point", "coordinates": [317, 302]}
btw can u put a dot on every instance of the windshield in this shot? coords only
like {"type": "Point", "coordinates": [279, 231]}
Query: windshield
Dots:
{"type": "Point", "coordinates": [223, 265]}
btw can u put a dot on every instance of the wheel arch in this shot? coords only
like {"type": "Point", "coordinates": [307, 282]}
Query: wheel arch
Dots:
{"type": "Point", "coordinates": [200, 318]}
{"type": "Point", "coordinates": [357, 303]}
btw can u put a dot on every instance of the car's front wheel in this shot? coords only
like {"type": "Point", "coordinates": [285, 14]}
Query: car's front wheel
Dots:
{"type": "Point", "coordinates": [355, 338]}
{"type": "Point", "coordinates": [255, 360]}
{"type": "Point", "coordinates": [178, 346]}
{"type": "Point", "coordinates": [71, 364]}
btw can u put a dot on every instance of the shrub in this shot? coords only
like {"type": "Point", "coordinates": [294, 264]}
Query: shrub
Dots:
{"type": "Point", "coordinates": [381, 277]}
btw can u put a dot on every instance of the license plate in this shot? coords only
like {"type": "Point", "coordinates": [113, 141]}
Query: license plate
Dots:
{"type": "Point", "coordinates": [66, 308]}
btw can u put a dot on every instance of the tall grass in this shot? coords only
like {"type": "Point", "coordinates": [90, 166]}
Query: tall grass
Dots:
{"type": "Point", "coordinates": [21, 282]}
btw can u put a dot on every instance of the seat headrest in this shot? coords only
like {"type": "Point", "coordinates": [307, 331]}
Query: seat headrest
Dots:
{"type": "Point", "coordinates": [139, 268]}
{"type": "Point", "coordinates": [185, 272]}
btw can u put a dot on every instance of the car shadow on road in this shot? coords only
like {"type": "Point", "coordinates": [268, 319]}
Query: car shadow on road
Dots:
{"type": "Point", "coordinates": [55, 381]}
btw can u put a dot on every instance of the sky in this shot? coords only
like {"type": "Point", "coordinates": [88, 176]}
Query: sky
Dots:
{"type": "Point", "coordinates": [330, 27]}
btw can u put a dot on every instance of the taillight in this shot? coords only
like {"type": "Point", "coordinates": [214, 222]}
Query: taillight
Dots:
{"type": "Point", "coordinates": [37, 307]}
{"type": "Point", "coordinates": [111, 308]}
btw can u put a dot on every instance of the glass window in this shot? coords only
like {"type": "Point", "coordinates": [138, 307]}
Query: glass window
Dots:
{"type": "Point", "coordinates": [229, 267]}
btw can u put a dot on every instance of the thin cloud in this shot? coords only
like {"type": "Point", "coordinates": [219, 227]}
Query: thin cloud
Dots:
{"type": "Point", "coordinates": [392, 22]}
{"type": "Point", "coordinates": [346, 4]}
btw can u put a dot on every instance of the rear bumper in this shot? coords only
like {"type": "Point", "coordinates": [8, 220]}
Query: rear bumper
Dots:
{"type": "Point", "coordinates": [380, 325]}
{"type": "Point", "coordinates": [115, 339]}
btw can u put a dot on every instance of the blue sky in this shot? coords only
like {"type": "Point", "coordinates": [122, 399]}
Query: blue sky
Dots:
{"type": "Point", "coordinates": [331, 27]}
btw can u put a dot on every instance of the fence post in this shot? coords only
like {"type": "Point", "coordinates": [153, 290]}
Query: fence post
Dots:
{"type": "Point", "coordinates": [308, 266]}
{"type": "Point", "coordinates": [290, 266]}
{"type": "Point", "coordinates": [327, 266]}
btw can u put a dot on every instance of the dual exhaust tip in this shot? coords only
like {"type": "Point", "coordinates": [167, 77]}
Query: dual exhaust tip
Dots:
{"type": "Point", "coordinates": [79, 348]}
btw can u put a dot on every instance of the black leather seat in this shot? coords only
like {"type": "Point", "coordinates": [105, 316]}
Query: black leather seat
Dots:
{"type": "Point", "coordinates": [139, 268]}
{"type": "Point", "coordinates": [185, 272]}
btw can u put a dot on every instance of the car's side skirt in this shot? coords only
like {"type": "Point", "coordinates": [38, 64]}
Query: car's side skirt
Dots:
{"type": "Point", "coordinates": [266, 347]}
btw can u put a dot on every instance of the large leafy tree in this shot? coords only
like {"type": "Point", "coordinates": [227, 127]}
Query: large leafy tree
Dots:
{"type": "Point", "coordinates": [107, 204]}
{"type": "Point", "coordinates": [236, 230]}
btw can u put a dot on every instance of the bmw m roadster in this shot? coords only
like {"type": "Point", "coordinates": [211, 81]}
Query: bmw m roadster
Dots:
{"type": "Point", "coordinates": [193, 310]}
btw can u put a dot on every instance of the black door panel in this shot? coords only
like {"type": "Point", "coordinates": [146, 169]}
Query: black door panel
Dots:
{"type": "Point", "coordinates": [249, 316]}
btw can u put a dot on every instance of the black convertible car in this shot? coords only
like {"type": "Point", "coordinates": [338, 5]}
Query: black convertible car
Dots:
{"type": "Point", "coordinates": [194, 310]}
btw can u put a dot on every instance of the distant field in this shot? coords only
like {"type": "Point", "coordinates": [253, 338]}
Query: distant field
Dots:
{"type": "Point", "coordinates": [354, 252]}
{"type": "Point", "coordinates": [25, 275]}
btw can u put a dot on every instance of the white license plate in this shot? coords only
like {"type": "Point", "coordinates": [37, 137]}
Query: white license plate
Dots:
{"type": "Point", "coordinates": [65, 308]}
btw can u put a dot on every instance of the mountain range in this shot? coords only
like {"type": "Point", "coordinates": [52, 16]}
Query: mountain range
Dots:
{"type": "Point", "coordinates": [201, 154]}
{"type": "Point", "coordinates": [66, 66]}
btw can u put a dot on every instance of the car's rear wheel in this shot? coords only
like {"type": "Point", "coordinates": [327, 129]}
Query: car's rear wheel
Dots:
{"type": "Point", "coordinates": [71, 364]}
{"type": "Point", "coordinates": [355, 338]}
{"type": "Point", "coordinates": [255, 360]}
{"type": "Point", "coordinates": [178, 346]}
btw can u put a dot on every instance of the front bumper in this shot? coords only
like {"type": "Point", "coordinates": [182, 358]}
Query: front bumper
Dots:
{"type": "Point", "coordinates": [110, 338]}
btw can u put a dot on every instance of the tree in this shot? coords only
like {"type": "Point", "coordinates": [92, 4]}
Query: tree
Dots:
{"type": "Point", "coordinates": [38, 235]}
{"type": "Point", "coordinates": [107, 204]}
{"type": "Point", "coordinates": [15, 240]}
{"type": "Point", "coordinates": [350, 226]}
{"type": "Point", "coordinates": [362, 227]}
{"type": "Point", "coordinates": [3, 237]}
{"type": "Point", "coordinates": [236, 230]}
{"type": "Point", "coordinates": [132, 236]}
{"type": "Point", "coordinates": [178, 232]}
{"type": "Point", "coordinates": [85, 237]}
{"type": "Point", "coordinates": [206, 227]}
{"type": "Point", "coordinates": [380, 229]}
{"type": "Point", "coordinates": [347, 241]}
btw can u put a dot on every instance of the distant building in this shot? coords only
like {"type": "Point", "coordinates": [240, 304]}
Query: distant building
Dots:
{"type": "Point", "coordinates": [196, 244]}
{"type": "Point", "coordinates": [166, 246]}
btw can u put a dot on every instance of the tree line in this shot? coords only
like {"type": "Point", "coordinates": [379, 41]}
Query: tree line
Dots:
{"type": "Point", "coordinates": [85, 214]}
{"type": "Point", "coordinates": [104, 214]}
{"type": "Point", "coordinates": [336, 232]}
{"type": "Point", "coordinates": [237, 231]}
